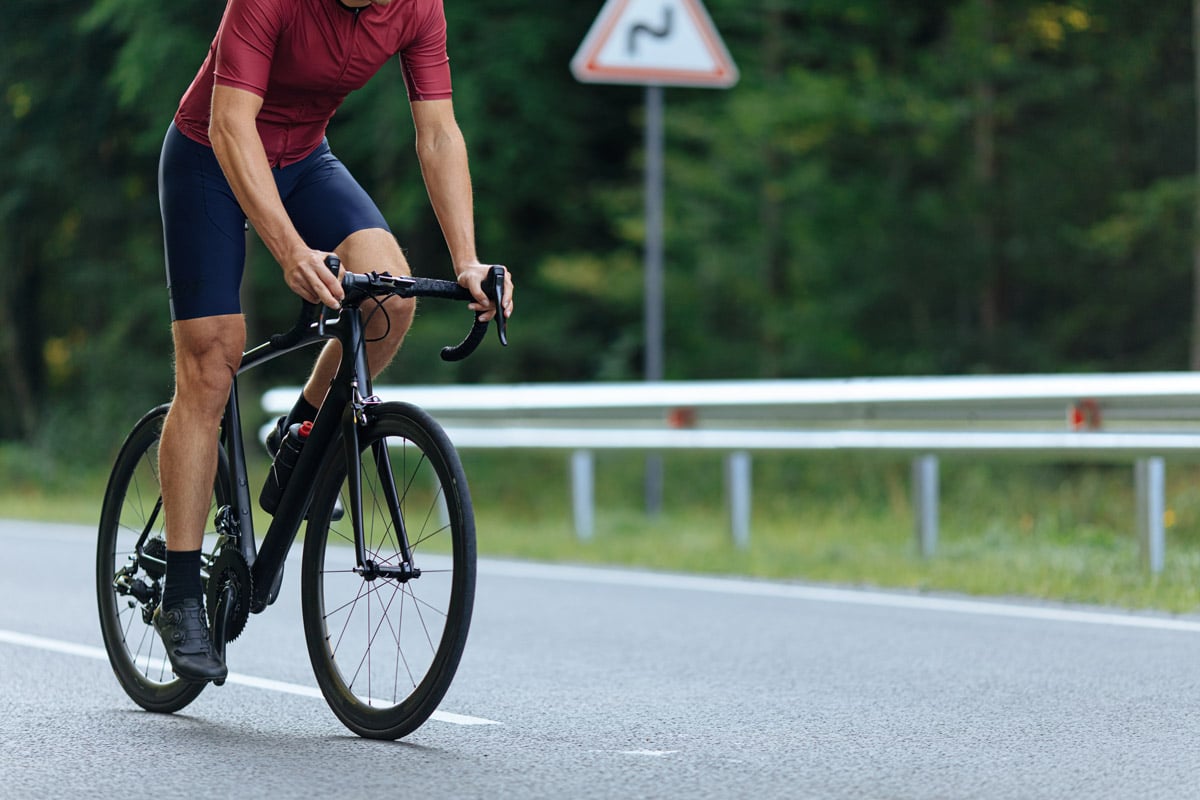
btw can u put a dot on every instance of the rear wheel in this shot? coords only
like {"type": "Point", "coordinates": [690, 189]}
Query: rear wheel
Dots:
{"type": "Point", "coordinates": [385, 642]}
{"type": "Point", "coordinates": [130, 555]}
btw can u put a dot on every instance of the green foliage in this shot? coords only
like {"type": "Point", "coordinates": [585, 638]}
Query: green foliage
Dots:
{"type": "Point", "coordinates": [1007, 528]}
{"type": "Point", "coordinates": [942, 187]}
{"type": "Point", "coordinates": [915, 187]}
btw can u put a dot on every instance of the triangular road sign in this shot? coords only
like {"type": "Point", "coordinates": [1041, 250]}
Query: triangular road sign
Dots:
{"type": "Point", "coordinates": [655, 43]}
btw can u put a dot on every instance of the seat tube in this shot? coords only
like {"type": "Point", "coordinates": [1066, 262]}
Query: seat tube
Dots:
{"type": "Point", "coordinates": [236, 452]}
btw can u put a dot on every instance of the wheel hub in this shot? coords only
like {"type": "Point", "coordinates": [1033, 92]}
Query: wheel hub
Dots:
{"type": "Point", "coordinates": [403, 573]}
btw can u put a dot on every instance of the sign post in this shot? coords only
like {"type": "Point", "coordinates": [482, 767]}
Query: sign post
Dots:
{"type": "Point", "coordinates": [654, 43]}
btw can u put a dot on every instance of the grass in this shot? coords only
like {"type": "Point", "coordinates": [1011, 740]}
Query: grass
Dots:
{"type": "Point", "coordinates": [1007, 529]}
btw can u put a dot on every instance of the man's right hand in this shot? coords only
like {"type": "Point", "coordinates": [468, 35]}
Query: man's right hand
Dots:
{"type": "Point", "coordinates": [307, 276]}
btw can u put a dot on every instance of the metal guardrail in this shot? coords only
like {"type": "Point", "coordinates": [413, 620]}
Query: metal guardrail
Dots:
{"type": "Point", "coordinates": [1138, 417]}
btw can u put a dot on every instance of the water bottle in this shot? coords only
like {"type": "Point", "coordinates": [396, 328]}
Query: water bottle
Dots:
{"type": "Point", "coordinates": [281, 468]}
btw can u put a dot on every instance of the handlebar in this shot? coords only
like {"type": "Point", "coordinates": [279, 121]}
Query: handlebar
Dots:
{"type": "Point", "coordinates": [360, 287]}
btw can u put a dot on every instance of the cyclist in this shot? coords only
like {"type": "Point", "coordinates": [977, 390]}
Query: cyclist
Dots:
{"type": "Point", "coordinates": [248, 143]}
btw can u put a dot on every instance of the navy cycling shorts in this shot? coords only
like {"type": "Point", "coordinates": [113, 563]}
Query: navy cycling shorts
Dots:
{"type": "Point", "coordinates": [204, 229]}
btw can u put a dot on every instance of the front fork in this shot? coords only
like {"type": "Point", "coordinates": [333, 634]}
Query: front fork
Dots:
{"type": "Point", "coordinates": [361, 412]}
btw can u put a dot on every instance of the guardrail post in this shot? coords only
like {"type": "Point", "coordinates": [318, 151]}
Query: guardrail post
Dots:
{"type": "Point", "coordinates": [583, 499]}
{"type": "Point", "coordinates": [925, 503]}
{"type": "Point", "coordinates": [1150, 481]}
{"type": "Point", "coordinates": [653, 485]}
{"type": "Point", "coordinates": [738, 493]}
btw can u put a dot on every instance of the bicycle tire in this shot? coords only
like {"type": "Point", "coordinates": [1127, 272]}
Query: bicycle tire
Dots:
{"type": "Point", "coordinates": [132, 504]}
{"type": "Point", "coordinates": [384, 683]}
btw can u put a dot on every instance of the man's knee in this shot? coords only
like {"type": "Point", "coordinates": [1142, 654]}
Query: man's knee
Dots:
{"type": "Point", "coordinates": [376, 250]}
{"type": "Point", "coordinates": [208, 352]}
{"type": "Point", "coordinates": [400, 312]}
{"type": "Point", "coordinates": [373, 250]}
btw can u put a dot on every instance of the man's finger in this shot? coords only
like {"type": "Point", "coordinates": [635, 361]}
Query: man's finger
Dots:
{"type": "Point", "coordinates": [325, 286]}
{"type": "Point", "coordinates": [324, 295]}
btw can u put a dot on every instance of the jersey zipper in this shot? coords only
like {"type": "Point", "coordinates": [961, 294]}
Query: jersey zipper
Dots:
{"type": "Point", "coordinates": [337, 86]}
{"type": "Point", "coordinates": [349, 51]}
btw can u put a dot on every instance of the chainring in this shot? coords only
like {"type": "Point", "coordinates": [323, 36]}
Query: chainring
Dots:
{"type": "Point", "coordinates": [229, 569]}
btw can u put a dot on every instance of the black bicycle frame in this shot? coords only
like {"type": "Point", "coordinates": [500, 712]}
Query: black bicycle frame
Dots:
{"type": "Point", "coordinates": [341, 412]}
{"type": "Point", "coordinates": [344, 409]}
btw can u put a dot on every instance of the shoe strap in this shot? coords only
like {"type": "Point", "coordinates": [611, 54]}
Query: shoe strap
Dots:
{"type": "Point", "coordinates": [196, 633]}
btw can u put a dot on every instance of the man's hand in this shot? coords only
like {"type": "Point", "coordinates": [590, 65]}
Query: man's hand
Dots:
{"type": "Point", "coordinates": [307, 276]}
{"type": "Point", "coordinates": [471, 276]}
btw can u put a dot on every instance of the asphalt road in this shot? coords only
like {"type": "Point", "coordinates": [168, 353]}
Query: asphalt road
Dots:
{"type": "Point", "coordinates": [588, 683]}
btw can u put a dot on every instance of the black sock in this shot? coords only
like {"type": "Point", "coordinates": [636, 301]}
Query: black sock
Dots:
{"type": "Point", "coordinates": [303, 411]}
{"type": "Point", "coordinates": [183, 577]}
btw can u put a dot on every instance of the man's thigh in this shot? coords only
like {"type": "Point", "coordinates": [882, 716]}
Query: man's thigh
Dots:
{"type": "Point", "coordinates": [326, 204]}
{"type": "Point", "coordinates": [203, 231]}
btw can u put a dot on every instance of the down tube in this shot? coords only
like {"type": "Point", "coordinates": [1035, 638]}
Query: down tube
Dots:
{"type": "Point", "coordinates": [293, 504]}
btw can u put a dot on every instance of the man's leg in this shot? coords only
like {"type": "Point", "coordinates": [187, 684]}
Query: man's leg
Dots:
{"type": "Point", "coordinates": [370, 250]}
{"type": "Point", "coordinates": [207, 354]}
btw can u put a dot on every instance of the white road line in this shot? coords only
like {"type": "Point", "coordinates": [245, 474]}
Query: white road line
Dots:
{"type": "Point", "coordinates": [733, 586]}
{"type": "Point", "coordinates": [99, 654]}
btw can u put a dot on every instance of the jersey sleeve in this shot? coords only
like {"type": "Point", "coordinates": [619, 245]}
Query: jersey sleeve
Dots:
{"type": "Point", "coordinates": [425, 62]}
{"type": "Point", "coordinates": [246, 44]}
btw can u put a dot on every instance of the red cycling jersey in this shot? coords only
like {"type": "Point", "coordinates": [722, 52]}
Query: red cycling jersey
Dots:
{"type": "Point", "coordinates": [304, 56]}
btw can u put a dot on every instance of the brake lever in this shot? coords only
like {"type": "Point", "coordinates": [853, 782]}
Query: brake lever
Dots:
{"type": "Point", "coordinates": [495, 290]}
{"type": "Point", "coordinates": [335, 266]}
{"type": "Point", "coordinates": [493, 287]}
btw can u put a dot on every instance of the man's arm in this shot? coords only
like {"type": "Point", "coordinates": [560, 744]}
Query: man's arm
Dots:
{"type": "Point", "coordinates": [239, 149]}
{"type": "Point", "coordinates": [443, 156]}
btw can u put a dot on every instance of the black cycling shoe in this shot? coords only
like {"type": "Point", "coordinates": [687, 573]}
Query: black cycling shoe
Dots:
{"type": "Point", "coordinates": [185, 634]}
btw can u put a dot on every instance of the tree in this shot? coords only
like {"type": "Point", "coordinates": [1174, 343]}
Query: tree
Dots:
{"type": "Point", "coordinates": [943, 187]}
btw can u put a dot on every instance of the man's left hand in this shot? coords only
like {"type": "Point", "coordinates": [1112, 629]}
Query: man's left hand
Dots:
{"type": "Point", "coordinates": [471, 277]}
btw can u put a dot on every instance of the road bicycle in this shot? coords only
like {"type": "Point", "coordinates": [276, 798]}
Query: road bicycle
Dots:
{"type": "Point", "coordinates": [388, 568]}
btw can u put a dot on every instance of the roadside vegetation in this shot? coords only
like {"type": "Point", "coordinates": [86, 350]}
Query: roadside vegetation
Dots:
{"type": "Point", "coordinates": [1008, 529]}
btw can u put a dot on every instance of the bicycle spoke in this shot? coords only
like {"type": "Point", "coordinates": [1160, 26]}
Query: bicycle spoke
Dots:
{"type": "Point", "coordinates": [353, 604]}
{"type": "Point", "coordinates": [126, 592]}
{"type": "Point", "coordinates": [383, 618]}
{"type": "Point", "coordinates": [384, 648]}
{"type": "Point", "coordinates": [430, 535]}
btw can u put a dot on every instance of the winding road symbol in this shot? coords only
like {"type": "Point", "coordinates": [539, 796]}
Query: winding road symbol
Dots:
{"type": "Point", "coordinates": [654, 43]}
{"type": "Point", "coordinates": [658, 33]}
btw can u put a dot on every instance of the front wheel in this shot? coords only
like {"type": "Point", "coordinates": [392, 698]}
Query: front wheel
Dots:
{"type": "Point", "coordinates": [130, 561]}
{"type": "Point", "coordinates": [385, 640]}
